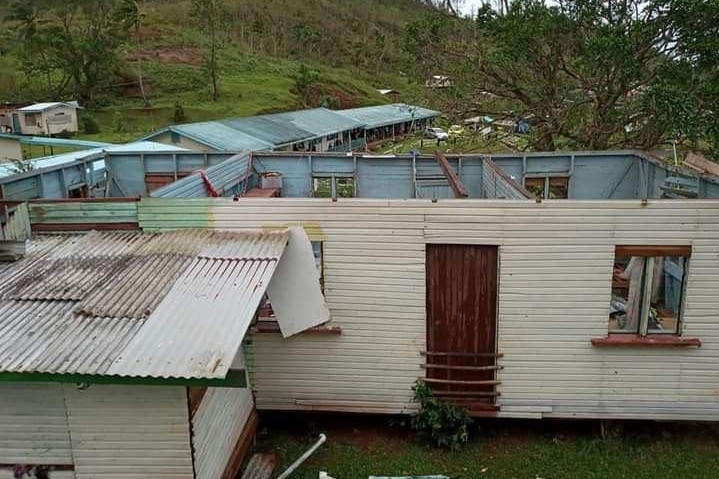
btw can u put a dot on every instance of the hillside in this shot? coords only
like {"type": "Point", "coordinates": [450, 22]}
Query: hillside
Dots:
{"type": "Point", "coordinates": [352, 46]}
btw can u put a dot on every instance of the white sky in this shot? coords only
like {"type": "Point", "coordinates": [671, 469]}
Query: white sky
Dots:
{"type": "Point", "coordinates": [470, 6]}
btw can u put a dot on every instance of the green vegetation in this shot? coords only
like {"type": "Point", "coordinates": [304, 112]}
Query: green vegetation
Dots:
{"type": "Point", "coordinates": [438, 423]}
{"type": "Point", "coordinates": [161, 58]}
{"type": "Point", "coordinates": [586, 74]}
{"type": "Point", "coordinates": [508, 452]}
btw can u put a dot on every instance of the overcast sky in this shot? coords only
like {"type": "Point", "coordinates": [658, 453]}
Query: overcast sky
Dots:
{"type": "Point", "coordinates": [469, 6]}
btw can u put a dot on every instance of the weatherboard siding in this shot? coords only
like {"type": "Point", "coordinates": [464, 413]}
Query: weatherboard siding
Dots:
{"type": "Point", "coordinates": [129, 432]}
{"type": "Point", "coordinates": [33, 425]}
{"type": "Point", "coordinates": [556, 262]}
{"type": "Point", "coordinates": [216, 428]}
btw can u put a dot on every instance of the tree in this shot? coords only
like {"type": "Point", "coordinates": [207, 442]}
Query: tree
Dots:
{"type": "Point", "coordinates": [73, 43]}
{"type": "Point", "coordinates": [211, 17]}
{"type": "Point", "coordinates": [590, 74]}
{"type": "Point", "coordinates": [130, 13]}
{"type": "Point", "coordinates": [305, 79]}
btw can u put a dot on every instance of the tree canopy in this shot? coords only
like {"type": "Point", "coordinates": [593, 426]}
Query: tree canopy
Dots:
{"type": "Point", "coordinates": [590, 74]}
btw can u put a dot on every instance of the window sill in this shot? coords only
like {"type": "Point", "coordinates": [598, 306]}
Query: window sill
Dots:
{"type": "Point", "coordinates": [273, 327]}
{"type": "Point", "coordinates": [654, 340]}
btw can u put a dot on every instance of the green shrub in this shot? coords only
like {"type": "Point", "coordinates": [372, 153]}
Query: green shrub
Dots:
{"type": "Point", "coordinates": [179, 114]}
{"type": "Point", "coordinates": [437, 422]}
{"type": "Point", "coordinates": [89, 125]}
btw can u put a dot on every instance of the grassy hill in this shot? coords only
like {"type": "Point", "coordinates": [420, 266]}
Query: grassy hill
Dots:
{"type": "Point", "coordinates": [354, 45]}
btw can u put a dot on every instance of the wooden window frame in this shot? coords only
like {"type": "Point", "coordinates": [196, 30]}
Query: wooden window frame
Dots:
{"type": "Point", "coordinates": [546, 183]}
{"type": "Point", "coordinates": [644, 337]}
{"type": "Point", "coordinates": [333, 177]}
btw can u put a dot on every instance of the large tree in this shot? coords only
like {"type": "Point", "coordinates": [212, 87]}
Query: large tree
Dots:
{"type": "Point", "coordinates": [74, 44]}
{"type": "Point", "coordinates": [212, 18]}
{"type": "Point", "coordinates": [593, 74]}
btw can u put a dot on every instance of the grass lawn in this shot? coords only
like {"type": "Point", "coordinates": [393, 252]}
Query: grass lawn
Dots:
{"type": "Point", "coordinates": [360, 446]}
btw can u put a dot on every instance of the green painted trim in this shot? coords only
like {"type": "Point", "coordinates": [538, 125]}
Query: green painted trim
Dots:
{"type": "Point", "coordinates": [235, 379]}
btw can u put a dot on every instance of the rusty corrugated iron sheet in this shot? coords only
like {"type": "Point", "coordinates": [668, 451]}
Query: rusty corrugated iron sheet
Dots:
{"type": "Point", "coordinates": [173, 304]}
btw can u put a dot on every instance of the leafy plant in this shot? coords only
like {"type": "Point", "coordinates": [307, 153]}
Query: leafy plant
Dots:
{"type": "Point", "coordinates": [89, 124]}
{"type": "Point", "coordinates": [440, 424]}
{"type": "Point", "coordinates": [179, 113]}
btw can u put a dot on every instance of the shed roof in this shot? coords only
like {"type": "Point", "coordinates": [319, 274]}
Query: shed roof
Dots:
{"type": "Point", "coordinates": [264, 132]}
{"type": "Point", "coordinates": [280, 129]}
{"type": "Point", "coordinates": [219, 136]}
{"type": "Point", "coordinates": [383, 115]}
{"type": "Point", "coordinates": [37, 107]}
{"type": "Point", "coordinates": [172, 305]}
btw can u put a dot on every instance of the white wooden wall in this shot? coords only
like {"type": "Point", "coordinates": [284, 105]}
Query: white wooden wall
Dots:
{"type": "Point", "coordinates": [129, 432]}
{"type": "Point", "coordinates": [218, 424]}
{"type": "Point", "coordinates": [33, 425]}
{"type": "Point", "coordinates": [107, 432]}
{"type": "Point", "coordinates": [555, 281]}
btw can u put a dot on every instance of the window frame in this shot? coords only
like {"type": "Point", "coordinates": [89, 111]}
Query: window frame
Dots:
{"type": "Point", "coordinates": [333, 178]}
{"type": "Point", "coordinates": [650, 253]}
{"type": "Point", "coordinates": [545, 182]}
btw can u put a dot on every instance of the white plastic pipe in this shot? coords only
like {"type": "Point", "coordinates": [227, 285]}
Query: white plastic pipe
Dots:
{"type": "Point", "coordinates": [303, 457]}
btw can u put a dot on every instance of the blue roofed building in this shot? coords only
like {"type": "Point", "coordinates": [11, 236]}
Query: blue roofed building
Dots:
{"type": "Point", "coordinates": [315, 129]}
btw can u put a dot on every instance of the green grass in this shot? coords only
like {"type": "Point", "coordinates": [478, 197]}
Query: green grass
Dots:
{"type": "Point", "coordinates": [517, 454]}
{"type": "Point", "coordinates": [250, 85]}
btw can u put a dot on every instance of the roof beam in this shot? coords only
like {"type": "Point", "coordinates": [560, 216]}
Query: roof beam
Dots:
{"type": "Point", "coordinates": [458, 188]}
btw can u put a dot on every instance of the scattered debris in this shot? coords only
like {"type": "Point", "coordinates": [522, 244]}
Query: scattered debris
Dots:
{"type": "Point", "coordinates": [261, 466]}
{"type": "Point", "coordinates": [698, 162]}
{"type": "Point", "coordinates": [303, 457]}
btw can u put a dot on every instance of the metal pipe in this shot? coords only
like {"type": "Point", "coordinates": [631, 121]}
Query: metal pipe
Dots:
{"type": "Point", "coordinates": [303, 457]}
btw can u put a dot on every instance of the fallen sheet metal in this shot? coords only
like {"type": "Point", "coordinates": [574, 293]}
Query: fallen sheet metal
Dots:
{"type": "Point", "coordinates": [294, 290]}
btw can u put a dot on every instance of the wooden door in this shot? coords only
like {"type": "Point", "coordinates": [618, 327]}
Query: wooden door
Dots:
{"type": "Point", "coordinates": [462, 324]}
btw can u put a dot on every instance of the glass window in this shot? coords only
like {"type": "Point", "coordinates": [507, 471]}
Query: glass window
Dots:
{"type": "Point", "coordinates": [535, 186]}
{"type": "Point", "coordinates": [556, 187]}
{"type": "Point", "coordinates": [333, 187]}
{"type": "Point", "coordinates": [647, 289]}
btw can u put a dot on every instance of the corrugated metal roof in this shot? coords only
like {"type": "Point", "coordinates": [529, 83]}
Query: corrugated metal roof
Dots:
{"type": "Point", "coordinates": [220, 137]}
{"type": "Point", "coordinates": [382, 115]}
{"type": "Point", "coordinates": [293, 126]}
{"type": "Point", "coordinates": [172, 305]}
{"type": "Point", "coordinates": [224, 178]}
{"type": "Point", "coordinates": [264, 132]}
{"type": "Point", "coordinates": [48, 105]}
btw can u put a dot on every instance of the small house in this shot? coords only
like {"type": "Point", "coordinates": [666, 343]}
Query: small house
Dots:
{"type": "Point", "coordinates": [47, 119]}
{"type": "Point", "coordinates": [390, 93]}
{"type": "Point", "coordinates": [438, 81]}
{"type": "Point", "coordinates": [10, 148]}
{"type": "Point", "coordinates": [121, 351]}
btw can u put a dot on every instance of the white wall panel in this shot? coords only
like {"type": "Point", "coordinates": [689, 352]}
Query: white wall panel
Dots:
{"type": "Point", "coordinates": [556, 261]}
{"type": "Point", "coordinates": [134, 432]}
{"type": "Point", "coordinates": [33, 425]}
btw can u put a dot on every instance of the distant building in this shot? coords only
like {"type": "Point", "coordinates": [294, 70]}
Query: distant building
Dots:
{"type": "Point", "coordinates": [438, 81]}
{"type": "Point", "coordinates": [312, 130]}
{"type": "Point", "coordinates": [6, 114]}
{"type": "Point", "coordinates": [10, 148]}
{"type": "Point", "coordinates": [389, 93]}
{"type": "Point", "coordinates": [46, 119]}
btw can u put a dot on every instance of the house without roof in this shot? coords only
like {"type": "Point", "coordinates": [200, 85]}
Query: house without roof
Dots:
{"type": "Point", "coordinates": [537, 285]}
